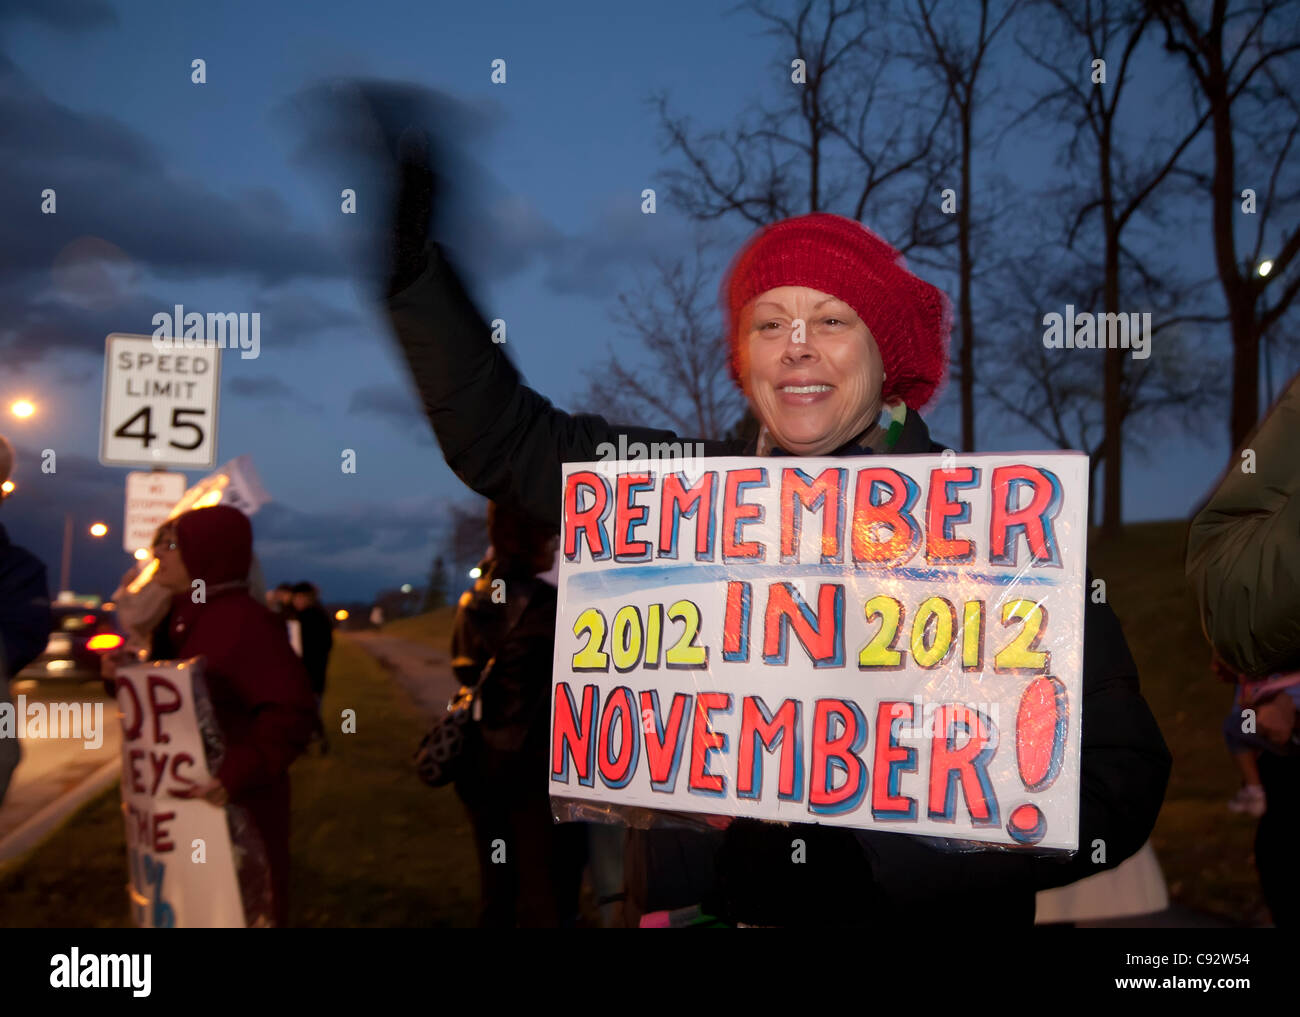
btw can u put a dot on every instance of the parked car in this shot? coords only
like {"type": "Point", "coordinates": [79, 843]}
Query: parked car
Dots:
{"type": "Point", "coordinates": [79, 636]}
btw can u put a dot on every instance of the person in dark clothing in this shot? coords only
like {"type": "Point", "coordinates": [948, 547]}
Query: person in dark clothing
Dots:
{"type": "Point", "coordinates": [317, 635]}
{"type": "Point", "coordinates": [503, 643]}
{"type": "Point", "coordinates": [1243, 565]}
{"type": "Point", "coordinates": [25, 619]}
{"type": "Point", "coordinates": [24, 606]}
{"type": "Point", "coordinates": [258, 686]}
{"type": "Point", "coordinates": [881, 344]}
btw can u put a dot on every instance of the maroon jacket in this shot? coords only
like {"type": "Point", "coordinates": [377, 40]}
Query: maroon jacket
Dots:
{"type": "Point", "coordinates": [257, 684]}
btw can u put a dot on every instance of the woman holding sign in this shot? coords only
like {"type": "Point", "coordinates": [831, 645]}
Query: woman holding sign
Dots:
{"type": "Point", "coordinates": [258, 686]}
{"type": "Point", "coordinates": [836, 346]}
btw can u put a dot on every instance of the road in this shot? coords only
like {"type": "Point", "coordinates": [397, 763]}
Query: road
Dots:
{"type": "Point", "coordinates": [52, 766]}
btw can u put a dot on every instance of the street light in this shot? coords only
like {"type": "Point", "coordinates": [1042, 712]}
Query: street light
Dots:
{"type": "Point", "coordinates": [340, 615]}
{"type": "Point", "coordinates": [7, 487]}
{"type": "Point", "coordinates": [22, 408]}
{"type": "Point", "coordinates": [65, 573]}
{"type": "Point", "coordinates": [1265, 266]}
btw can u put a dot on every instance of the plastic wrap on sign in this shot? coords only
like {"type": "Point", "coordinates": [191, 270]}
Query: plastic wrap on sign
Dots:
{"type": "Point", "coordinates": [191, 864]}
{"type": "Point", "coordinates": [892, 643]}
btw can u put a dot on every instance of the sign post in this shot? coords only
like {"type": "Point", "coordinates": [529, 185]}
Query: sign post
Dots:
{"type": "Point", "coordinates": [160, 405]}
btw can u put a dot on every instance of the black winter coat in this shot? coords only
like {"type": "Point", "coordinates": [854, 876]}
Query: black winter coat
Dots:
{"type": "Point", "coordinates": [508, 443]}
{"type": "Point", "coordinates": [24, 607]}
{"type": "Point", "coordinates": [516, 637]}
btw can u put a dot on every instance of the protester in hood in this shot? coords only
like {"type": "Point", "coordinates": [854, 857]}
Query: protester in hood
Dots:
{"type": "Point", "coordinates": [25, 620]}
{"type": "Point", "coordinates": [258, 687]}
{"type": "Point", "coordinates": [503, 644]}
{"type": "Point", "coordinates": [876, 338]}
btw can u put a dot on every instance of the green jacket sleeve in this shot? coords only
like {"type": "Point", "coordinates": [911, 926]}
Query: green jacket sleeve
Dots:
{"type": "Point", "coordinates": [499, 436]}
{"type": "Point", "coordinates": [1243, 550]}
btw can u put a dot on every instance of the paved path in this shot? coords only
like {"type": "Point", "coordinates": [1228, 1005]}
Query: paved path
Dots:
{"type": "Point", "coordinates": [422, 671]}
{"type": "Point", "coordinates": [52, 768]}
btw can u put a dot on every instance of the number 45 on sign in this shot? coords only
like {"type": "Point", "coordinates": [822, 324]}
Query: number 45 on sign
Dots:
{"type": "Point", "coordinates": [160, 404]}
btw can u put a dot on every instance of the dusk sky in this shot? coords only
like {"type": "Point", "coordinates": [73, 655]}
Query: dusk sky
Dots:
{"type": "Point", "coordinates": [171, 192]}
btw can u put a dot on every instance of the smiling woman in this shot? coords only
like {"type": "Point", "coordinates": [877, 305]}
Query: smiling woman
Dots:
{"type": "Point", "coordinates": [826, 327]}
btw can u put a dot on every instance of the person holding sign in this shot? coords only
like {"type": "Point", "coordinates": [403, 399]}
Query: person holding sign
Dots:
{"type": "Point", "coordinates": [258, 686]}
{"type": "Point", "coordinates": [827, 331]}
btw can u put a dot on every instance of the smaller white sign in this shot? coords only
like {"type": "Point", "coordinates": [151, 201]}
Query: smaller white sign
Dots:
{"type": "Point", "coordinates": [160, 405]}
{"type": "Point", "coordinates": [149, 500]}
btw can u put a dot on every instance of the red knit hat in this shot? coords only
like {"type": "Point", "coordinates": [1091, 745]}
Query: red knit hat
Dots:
{"type": "Point", "coordinates": [910, 319]}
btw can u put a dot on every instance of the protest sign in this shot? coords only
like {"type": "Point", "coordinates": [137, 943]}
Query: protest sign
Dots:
{"type": "Point", "coordinates": [891, 643]}
{"type": "Point", "coordinates": [180, 856]}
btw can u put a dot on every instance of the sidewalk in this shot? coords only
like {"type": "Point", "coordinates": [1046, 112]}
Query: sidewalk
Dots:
{"type": "Point", "coordinates": [56, 775]}
{"type": "Point", "coordinates": [423, 672]}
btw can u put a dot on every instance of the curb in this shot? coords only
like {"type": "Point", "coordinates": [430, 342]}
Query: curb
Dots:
{"type": "Point", "coordinates": [44, 822]}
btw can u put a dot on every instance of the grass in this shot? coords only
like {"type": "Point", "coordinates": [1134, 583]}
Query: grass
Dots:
{"type": "Point", "coordinates": [374, 847]}
{"type": "Point", "coordinates": [432, 628]}
{"type": "Point", "coordinates": [1205, 850]}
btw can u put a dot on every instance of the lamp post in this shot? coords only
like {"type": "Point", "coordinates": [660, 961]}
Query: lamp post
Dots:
{"type": "Point", "coordinates": [97, 530]}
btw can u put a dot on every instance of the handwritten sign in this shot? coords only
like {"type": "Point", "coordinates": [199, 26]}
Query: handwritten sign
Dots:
{"type": "Point", "coordinates": [182, 864]}
{"type": "Point", "coordinates": [892, 643]}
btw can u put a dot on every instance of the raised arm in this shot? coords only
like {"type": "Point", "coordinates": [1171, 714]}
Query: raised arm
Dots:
{"type": "Point", "coordinates": [501, 438]}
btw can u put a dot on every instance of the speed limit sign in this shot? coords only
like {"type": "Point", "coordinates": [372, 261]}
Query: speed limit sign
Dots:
{"type": "Point", "coordinates": [160, 403]}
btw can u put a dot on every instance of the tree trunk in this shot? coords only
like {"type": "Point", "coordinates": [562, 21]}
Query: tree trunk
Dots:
{"type": "Point", "coordinates": [1113, 386]}
{"type": "Point", "coordinates": [967, 312]}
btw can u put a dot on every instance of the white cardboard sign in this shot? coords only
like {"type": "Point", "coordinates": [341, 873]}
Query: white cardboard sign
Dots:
{"type": "Point", "coordinates": [149, 500]}
{"type": "Point", "coordinates": [179, 852]}
{"type": "Point", "coordinates": [886, 643]}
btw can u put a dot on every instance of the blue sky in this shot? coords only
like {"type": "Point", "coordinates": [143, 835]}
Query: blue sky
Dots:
{"type": "Point", "coordinates": [171, 192]}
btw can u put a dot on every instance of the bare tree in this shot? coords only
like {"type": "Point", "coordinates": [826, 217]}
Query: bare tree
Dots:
{"type": "Point", "coordinates": [956, 57]}
{"type": "Point", "coordinates": [1055, 393]}
{"type": "Point", "coordinates": [1089, 95]}
{"type": "Point", "coordinates": [836, 138]}
{"type": "Point", "coordinates": [1236, 54]}
{"type": "Point", "coordinates": [676, 375]}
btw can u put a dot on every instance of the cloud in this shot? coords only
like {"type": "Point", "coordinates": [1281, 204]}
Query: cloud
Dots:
{"type": "Point", "coordinates": [69, 16]}
{"type": "Point", "coordinates": [111, 182]}
{"type": "Point", "coordinates": [395, 404]}
{"type": "Point", "coordinates": [267, 388]}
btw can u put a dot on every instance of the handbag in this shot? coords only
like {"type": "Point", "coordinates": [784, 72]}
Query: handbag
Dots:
{"type": "Point", "coordinates": [440, 757]}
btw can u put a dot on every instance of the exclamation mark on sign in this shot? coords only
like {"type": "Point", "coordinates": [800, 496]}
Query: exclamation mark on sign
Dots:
{"type": "Point", "coordinates": [1041, 724]}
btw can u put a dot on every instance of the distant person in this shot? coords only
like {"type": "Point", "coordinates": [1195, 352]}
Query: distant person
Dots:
{"type": "Point", "coordinates": [25, 619]}
{"type": "Point", "coordinates": [316, 642]}
{"type": "Point", "coordinates": [258, 687]}
{"type": "Point", "coordinates": [503, 643]}
{"type": "Point", "coordinates": [280, 600]}
{"type": "Point", "coordinates": [377, 616]}
{"type": "Point", "coordinates": [1243, 563]}
{"type": "Point", "coordinates": [317, 635]}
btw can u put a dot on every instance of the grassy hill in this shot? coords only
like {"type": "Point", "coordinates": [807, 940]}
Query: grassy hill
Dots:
{"type": "Point", "coordinates": [1205, 850]}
